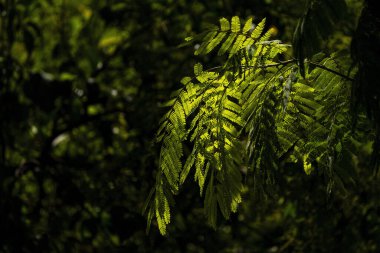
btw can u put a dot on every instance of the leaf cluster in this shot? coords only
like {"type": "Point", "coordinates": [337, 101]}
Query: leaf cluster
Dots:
{"type": "Point", "coordinates": [249, 116]}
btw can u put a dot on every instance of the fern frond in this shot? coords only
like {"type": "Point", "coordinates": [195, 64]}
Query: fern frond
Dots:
{"type": "Point", "coordinates": [257, 31]}
{"type": "Point", "coordinates": [227, 44]}
{"type": "Point", "coordinates": [231, 37]}
{"type": "Point", "coordinates": [258, 99]}
{"type": "Point", "coordinates": [210, 202]}
{"type": "Point", "coordinates": [162, 210]}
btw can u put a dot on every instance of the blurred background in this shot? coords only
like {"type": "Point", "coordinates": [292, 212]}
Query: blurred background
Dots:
{"type": "Point", "coordinates": [81, 83]}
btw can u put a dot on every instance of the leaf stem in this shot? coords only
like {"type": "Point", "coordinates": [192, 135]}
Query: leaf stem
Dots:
{"type": "Point", "coordinates": [281, 63]}
{"type": "Point", "coordinates": [330, 70]}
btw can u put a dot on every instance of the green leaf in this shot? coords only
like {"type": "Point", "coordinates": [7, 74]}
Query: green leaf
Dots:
{"type": "Point", "coordinates": [224, 207]}
{"type": "Point", "coordinates": [258, 30]}
{"type": "Point", "coordinates": [227, 44]}
{"type": "Point", "coordinates": [247, 26]}
{"type": "Point", "coordinates": [206, 41]}
{"type": "Point", "coordinates": [210, 202]}
{"type": "Point", "coordinates": [215, 42]}
{"type": "Point", "coordinates": [186, 169]}
{"type": "Point", "coordinates": [198, 69]}
{"type": "Point", "coordinates": [237, 45]}
{"type": "Point", "coordinates": [224, 25]}
{"type": "Point", "coordinates": [235, 24]}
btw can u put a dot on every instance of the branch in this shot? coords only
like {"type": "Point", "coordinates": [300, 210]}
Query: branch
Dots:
{"type": "Point", "coordinates": [330, 70]}
{"type": "Point", "coordinates": [281, 63]}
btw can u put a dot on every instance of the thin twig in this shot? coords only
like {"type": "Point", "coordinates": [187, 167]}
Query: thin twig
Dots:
{"type": "Point", "coordinates": [331, 70]}
{"type": "Point", "coordinates": [281, 63]}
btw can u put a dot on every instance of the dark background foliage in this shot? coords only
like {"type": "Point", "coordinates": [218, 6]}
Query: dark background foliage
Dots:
{"type": "Point", "coordinates": [81, 84]}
